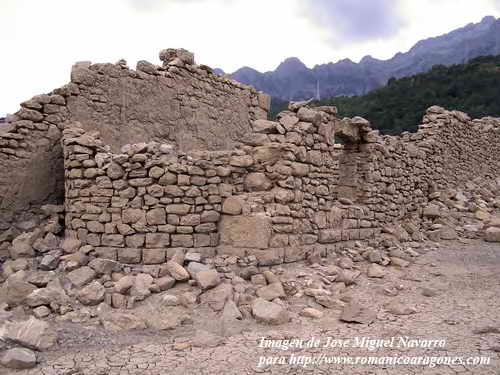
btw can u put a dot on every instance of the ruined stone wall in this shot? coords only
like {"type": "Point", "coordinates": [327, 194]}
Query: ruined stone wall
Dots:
{"type": "Point", "coordinates": [31, 167]}
{"type": "Point", "coordinates": [448, 151]}
{"type": "Point", "coordinates": [179, 102]}
{"type": "Point", "coordinates": [274, 191]}
{"type": "Point", "coordinates": [285, 192]}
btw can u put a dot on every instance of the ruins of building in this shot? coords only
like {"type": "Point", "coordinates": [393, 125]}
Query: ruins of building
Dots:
{"type": "Point", "coordinates": [209, 172]}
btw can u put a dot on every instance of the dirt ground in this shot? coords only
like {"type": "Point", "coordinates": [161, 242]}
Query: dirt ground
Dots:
{"type": "Point", "coordinates": [463, 312]}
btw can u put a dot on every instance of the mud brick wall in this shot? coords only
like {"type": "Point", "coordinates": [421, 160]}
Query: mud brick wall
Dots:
{"type": "Point", "coordinates": [179, 102]}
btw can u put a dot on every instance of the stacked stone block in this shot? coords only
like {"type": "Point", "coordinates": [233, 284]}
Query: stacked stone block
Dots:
{"type": "Point", "coordinates": [180, 103]}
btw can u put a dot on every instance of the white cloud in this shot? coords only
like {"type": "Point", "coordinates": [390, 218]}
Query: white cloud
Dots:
{"type": "Point", "coordinates": [41, 39]}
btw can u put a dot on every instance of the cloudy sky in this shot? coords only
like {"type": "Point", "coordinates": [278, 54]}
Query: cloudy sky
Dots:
{"type": "Point", "coordinates": [41, 39]}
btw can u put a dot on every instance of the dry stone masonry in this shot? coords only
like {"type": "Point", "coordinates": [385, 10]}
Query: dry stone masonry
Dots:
{"type": "Point", "coordinates": [285, 193]}
{"type": "Point", "coordinates": [181, 103]}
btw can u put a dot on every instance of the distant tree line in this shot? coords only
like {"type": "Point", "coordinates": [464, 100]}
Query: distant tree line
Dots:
{"type": "Point", "coordinates": [473, 88]}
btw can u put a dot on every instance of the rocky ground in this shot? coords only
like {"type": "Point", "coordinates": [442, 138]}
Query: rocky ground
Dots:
{"type": "Point", "coordinates": [450, 292]}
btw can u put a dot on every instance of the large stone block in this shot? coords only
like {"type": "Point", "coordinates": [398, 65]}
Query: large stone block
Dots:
{"type": "Point", "coordinates": [492, 234]}
{"type": "Point", "coordinates": [245, 231]}
{"type": "Point", "coordinates": [129, 256]}
{"type": "Point", "coordinates": [153, 256]}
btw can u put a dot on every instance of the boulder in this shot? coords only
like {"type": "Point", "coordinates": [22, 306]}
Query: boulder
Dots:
{"type": "Point", "coordinates": [271, 291]}
{"type": "Point", "coordinates": [22, 246]}
{"type": "Point", "coordinates": [492, 234]}
{"type": "Point", "coordinates": [356, 313]}
{"type": "Point", "coordinates": [15, 289]}
{"type": "Point", "coordinates": [142, 286]}
{"type": "Point", "coordinates": [81, 276]}
{"type": "Point", "coordinates": [104, 266]}
{"type": "Point", "coordinates": [92, 294]}
{"type": "Point", "coordinates": [432, 211]}
{"type": "Point", "coordinates": [178, 272]}
{"type": "Point", "coordinates": [194, 267]}
{"type": "Point", "coordinates": [207, 279]}
{"type": "Point", "coordinates": [264, 126]}
{"type": "Point", "coordinates": [176, 56]}
{"type": "Point", "coordinates": [216, 297]}
{"type": "Point", "coordinates": [32, 333]}
{"type": "Point", "coordinates": [19, 358]}
{"type": "Point", "coordinates": [124, 284]}
{"type": "Point", "coordinates": [269, 312]}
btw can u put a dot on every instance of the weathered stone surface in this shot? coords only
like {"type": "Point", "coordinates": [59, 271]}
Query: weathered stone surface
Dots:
{"type": "Point", "coordinates": [269, 312]}
{"type": "Point", "coordinates": [104, 266]}
{"type": "Point", "coordinates": [257, 182]}
{"type": "Point", "coordinates": [178, 272]}
{"type": "Point", "coordinates": [22, 246]}
{"type": "Point", "coordinates": [81, 276]}
{"type": "Point", "coordinates": [492, 234]}
{"type": "Point", "coordinates": [245, 231]}
{"type": "Point", "coordinates": [216, 297]}
{"type": "Point", "coordinates": [207, 279]}
{"type": "Point", "coordinates": [357, 313]}
{"type": "Point", "coordinates": [119, 321]}
{"type": "Point", "coordinates": [432, 210]}
{"type": "Point", "coordinates": [264, 126]}
{"type": "Point", "coordinates": [142, 286]}
{"type": "Point", "coordinates": [19, 358]}
{"type": "Point", "coordinates": [374, 270]}
{"type": "Point", "coordinates": [309, 312]}
{"type": "Point", "coordinates": [16, 290]}
{"type": "Point", "coordinates": [32, 333]}
{"type": "Point", "coordinates": [232, 206]}
{"type": "Point", "coordinates": [124, 284]}
{"type": "Point", "coordinates": [92, 294]}
{"type": "Point", "coordinates": [271, 291]}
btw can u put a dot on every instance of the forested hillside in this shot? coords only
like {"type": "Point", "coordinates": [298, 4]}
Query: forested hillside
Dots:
{"type": "Point", "coordinates": [473, 88]}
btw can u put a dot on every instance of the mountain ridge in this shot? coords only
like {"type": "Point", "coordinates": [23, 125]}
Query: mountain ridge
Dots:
{"type": "Point", "coordinates": [293, 80]}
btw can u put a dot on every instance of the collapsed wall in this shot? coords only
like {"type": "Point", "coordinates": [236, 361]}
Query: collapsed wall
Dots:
{"type": "Point", "coordinates": [181, 103]}
{"type": "Point", "coordinates": [284, 193]}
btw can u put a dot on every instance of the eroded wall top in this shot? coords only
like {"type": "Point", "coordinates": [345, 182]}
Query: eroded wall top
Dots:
{"type": "Point", "coordinates": [180, 102]}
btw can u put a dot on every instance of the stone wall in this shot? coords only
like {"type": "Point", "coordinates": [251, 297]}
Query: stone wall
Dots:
{"type": "Point", "coordinates": [32, 171]}
{"type": "Point", "coordinates": [179, 102]}
{"type": "Point", "coordinates": [138, 206]}
{"type": "Point", "coordinates": [282, 194]}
